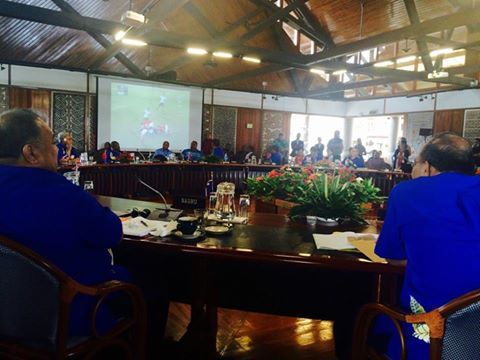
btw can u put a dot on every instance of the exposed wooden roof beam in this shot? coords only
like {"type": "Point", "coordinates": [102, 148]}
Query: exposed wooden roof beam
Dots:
{"type": "Point", "coordinates": [421, 43]}
{"type": "Point", "coordinates": [265, 24]}
{"type": "Point", "coordinates": [293, 22]}
{"type": "Point", "coordinates": [162, 11]}
{"type": "Point", "coordinates": [284, 42]}
{"type": "Point", "coordinates": [247, 74]}
{"type": "Point", "coordinates": [314, 24]}
{"type": "Point", "coordinates": [460, 18]}
{"type": "Point", "coordinates": [102, 40]}
{"type": "Point", "coordinates": [57, 18]}
{"type": "Point", "coordinates": [183, 60]}
{"type": "Point", "coordinates": [443, 42]}
{"type": "Point", "coordinates": [197, 14]}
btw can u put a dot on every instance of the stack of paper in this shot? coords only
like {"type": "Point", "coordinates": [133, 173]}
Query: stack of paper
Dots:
{"type": "Point", "coordinates": [141, 227]}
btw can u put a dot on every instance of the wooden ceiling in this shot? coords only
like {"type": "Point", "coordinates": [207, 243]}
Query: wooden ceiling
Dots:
{"type": "Point", "coordinates": [79, 35]}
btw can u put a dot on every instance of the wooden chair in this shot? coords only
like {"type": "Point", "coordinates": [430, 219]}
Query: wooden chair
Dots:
{"type": "Point", "coordinates": [454, 329]}
{"type": "Point", "coordinates": [35, 305]}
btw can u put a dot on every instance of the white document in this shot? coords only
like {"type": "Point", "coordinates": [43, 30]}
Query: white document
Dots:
{"type": "Point", "coordinates": [141, 227]}
{"type": "Point", "coordinates": [339, 240]}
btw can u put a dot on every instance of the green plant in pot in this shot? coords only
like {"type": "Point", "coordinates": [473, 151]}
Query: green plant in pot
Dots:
{"type": "Point", "coordinates": [335, 197]}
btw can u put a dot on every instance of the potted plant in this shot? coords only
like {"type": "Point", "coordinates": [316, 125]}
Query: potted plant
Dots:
{"type": "Point", "coordinates": [333, 197]}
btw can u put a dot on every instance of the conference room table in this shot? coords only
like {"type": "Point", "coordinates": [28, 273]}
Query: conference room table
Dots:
{"type": "Point", "coordinates": [270, 265]}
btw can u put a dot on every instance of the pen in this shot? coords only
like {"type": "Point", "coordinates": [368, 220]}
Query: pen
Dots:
{"type": "Point", "coordinates": [143, 223]}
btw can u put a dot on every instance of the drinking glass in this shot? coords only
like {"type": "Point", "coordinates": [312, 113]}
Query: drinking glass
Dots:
{"type": "Point", "coordinates": [88, 186]}
{"type": "Point", "coordinates": [200, 215]}
{"type": "Point", "coordinates": [243, 205]}
{"type": "Point", "coordinates": [212, 202]}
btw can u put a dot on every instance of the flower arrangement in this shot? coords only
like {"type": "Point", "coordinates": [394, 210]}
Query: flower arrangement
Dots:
{"type": "Point", "coordinates": [330, 195]}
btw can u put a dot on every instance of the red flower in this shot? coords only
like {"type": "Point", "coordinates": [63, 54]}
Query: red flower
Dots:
{"type": "Point", "coordinates": [273, 173]}
{"type": "Point", "coordinates": [259, 178]}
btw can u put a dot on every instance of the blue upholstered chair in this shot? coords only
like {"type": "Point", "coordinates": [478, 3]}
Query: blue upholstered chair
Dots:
{"type": "Point", "coordinates": [35, 299]}
{"type": "Point", "coordinates": [454, 329]}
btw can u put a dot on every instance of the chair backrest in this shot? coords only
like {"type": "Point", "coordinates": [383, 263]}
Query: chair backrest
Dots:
{"type": "Point", "coordinates": [461, 338]}
{"type": "Point", "coordinates": [29, 298]}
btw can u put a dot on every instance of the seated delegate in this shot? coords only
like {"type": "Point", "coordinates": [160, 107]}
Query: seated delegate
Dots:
{"type": "Point", "coordinates": [432, 225]}
{"type": "Point", "coordinates": [75, 237]}
{"type": "Point", "coordinates": [164, 152]}
{"type": "Point", "coordinates": [66, 151]}
{"type": "Point", "coordinates": [192, 153]}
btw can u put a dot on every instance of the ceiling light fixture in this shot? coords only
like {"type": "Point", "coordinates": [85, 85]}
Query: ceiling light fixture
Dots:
{"type": "Point", "coordinates": [133, 42]}
{"type": "Point", "coordinates": [197, 51]}
{"type": "Point", "coordinates": [383, 63]}
{"type": "Point", "coordinates": [119, 35]}
{"type": "Point", "coordinates": [441, 52]}
{"type": "Point", "coordinates": [133, 18]}
{"type": "Point", "coordinates": [252, 59]}
{"type": "Point", "coordinates": [223, 54]}
{"type": "Point", "coordinates": [406, 59]}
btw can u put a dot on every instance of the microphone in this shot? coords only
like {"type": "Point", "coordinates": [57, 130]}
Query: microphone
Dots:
{"type": "Point", "coordinates": [166, 209]}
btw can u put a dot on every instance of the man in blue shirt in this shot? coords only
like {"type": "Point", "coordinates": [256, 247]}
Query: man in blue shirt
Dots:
{"type": "Point", "coordinates": [163, 151]}
{"type": "Point", "coordinates": [45, 212]}
{"type": "Point", "coordinates": [433, 225]}
{"type": "Point", "coordinates": [192, 154]}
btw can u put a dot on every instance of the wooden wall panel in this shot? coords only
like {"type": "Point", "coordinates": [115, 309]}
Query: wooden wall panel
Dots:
{"type": "Point", "coordinates": [249, 136]}
{"type": "Point", "coordinates": [37, 100]}
{"type": "Point", "coordinates": [448, 120]}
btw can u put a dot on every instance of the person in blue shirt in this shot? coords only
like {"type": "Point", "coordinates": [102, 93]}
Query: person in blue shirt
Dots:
{"type": "Point", "coordinates": [45, 212]}
{"type": "Point", "coordinates": [164, 151]}
{"type": "Point", "coordinates": [217, 149]}
{"type": "Point", "coordinates": [66, 151]}
{"type": "Point", "coordinates": [192, 154]}
{"type": "Point", "coordinates": [276, 157]}
{"type": "Point", "coordinates": [354, 160]}
{"type": "Point", "coordinates": [433, 226]}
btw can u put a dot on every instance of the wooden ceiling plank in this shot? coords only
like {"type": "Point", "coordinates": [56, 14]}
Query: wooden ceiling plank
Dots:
{"type": "Point", "coordinates": [102, 40]}
{"type": "Point", "coordinates": [57, 18]}
{"type": "Point", "coordinates": [457, 19]}
{"type": "Point", "coordinates": [195, 12]}
{"type": "Point", "coordinates": [162, 11]}
{"type": "Point", "coordinates": [247, 74]}
{"type": "Point", "coordinates": [272, 19]}
{"type": "Point", "coordinates": [421, 43]}
{"type": "Point", "coordinates": [313, 23]}
{"type": "Point", "coordinates": [283, 42]}
{"type": "Point", "coordinates": [292, 21]}
{"type": "Point", "coordinates": [221, 36]}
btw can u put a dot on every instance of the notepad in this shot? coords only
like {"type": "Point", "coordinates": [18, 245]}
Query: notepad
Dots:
{"type": "Point", "coordinates": [335, 241]}
{"type": "Point", "coordinates": [142, 227]}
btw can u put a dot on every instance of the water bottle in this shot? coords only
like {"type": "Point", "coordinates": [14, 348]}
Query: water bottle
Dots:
{"type": "Point", "coordinates": [254, 160]}
{"type": "Point", "coordinates": [225, 157]}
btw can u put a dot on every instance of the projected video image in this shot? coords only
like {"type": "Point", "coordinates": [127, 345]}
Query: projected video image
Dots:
{"type": "Point", "coordinates": [144, 116]}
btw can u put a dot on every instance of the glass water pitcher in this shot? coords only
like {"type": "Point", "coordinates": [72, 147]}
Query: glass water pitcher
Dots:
{"type": "Point", "coordinates": [225, 205]}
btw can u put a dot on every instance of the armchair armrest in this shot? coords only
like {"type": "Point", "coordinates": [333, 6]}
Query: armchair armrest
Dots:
{"type": "Point", "coordinates": [365, 318]}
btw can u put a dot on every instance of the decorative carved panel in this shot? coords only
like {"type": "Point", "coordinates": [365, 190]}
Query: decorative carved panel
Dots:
{"type": "Point", "coordinates": [274, 122]}
{"type": "Point", "coordinates": [3, 99]}
{"type": "Point", "coordinates": [225, 125]}
{"type": "Point", "coordinates": [471, 125]}
{"type": "Point", "coordinates": [92, 128]}
{"type": "Point", "coordinates": [69, 115]}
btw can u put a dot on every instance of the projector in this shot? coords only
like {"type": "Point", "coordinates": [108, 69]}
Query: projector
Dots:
{"type": "Point", "coordinates": [133, 18]}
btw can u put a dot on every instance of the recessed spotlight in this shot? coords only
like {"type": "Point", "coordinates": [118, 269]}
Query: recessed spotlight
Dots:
{"type": "Point", "coordinates": [133, 42]}
{"type": "Point", "coordinates": [119, 35]}
{"type": "Point", "coordinates": [197, 51]}
{"type": "Point", "coordinates": [251, 59]}
{"type": "Point", "coordinates": [222, 54]}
